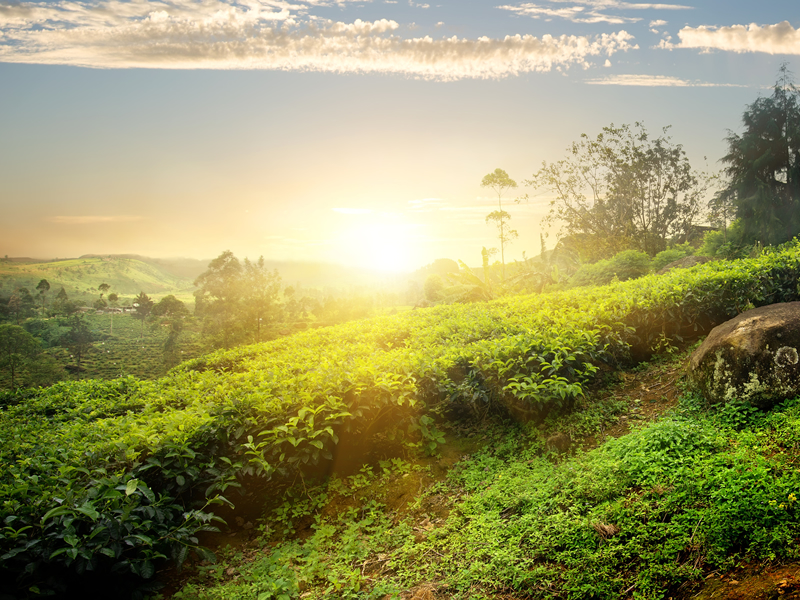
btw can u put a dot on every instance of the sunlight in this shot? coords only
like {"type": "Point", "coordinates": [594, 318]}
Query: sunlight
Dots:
{"type": "Point", "coordinates": [379, 245]}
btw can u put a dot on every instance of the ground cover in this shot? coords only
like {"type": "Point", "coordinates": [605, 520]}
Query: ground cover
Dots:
{"type": "Point", "coordinates": [120, 475]}
{"type": "Point", "coordinates": [678, 499]}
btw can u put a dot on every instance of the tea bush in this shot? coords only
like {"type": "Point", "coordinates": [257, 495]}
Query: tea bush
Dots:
{"type": "Point", "coordinates": [270, 409]}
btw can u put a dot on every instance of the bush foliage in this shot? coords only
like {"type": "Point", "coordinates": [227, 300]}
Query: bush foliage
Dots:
{"type": "Point", "coordinates": [117, 475]}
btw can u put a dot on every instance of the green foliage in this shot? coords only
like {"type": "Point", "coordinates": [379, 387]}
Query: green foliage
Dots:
{"type": "Point", "coordinates": [235, 299]}
{"type": "Point", "coordinates": [628, 264]}
{"type": "Point", "coordinates": [663, 258]}
{"type": "Point", "coordinates": [253, 412]}
{"type": "Point", "coordinates": [16, 347]}
{"type": "Point", "coordinates": [621, 190]}
{"type": "Point", "coordinates": [762, 166]}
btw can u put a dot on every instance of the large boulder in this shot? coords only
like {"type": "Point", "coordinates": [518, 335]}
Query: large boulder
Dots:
{"type": "Point", "coordinates": [753, 357]}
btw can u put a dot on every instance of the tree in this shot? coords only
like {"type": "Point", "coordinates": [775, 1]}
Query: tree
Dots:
{"type": "Point", "coordinates": [62, 296]}
{"type": "Point", "coordinates": [763, 166]}
{"type": "Point", "coordinates": [21, 304]}
{"type": "Point", "coordinates": [113, 299]}
{"type": "Point", "coordinates": [622, 190]}
{"type": "Point", "coordinates": [261, 289]}
{"type": "Point", "coordinates": [218, 298]}
{"type": "Point", "coordinates": [142, 305]}
{"type": "Point", "coordinates": [499, 181]}
{"type": "Point", "coordinates": [171, 312]}
{"type": "Point", "coordinates": [43, 286]}
{"type": "Point", "coordinates": [78, 339]}
{"type": "Point", "coordinates": [16, 347]}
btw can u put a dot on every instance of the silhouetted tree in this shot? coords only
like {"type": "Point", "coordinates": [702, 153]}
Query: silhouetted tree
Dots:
{"type": "Point", "coordinates": [499, 181]}
{"type": "Point", "coordinates": [622, 190]}
{"type": "Point", "coordinates": [763, 166]}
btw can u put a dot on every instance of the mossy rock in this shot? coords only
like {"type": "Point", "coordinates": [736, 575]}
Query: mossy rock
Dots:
{"type": "Point", "coordinates": [753, 357]}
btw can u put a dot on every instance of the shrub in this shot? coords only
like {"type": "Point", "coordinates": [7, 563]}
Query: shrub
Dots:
{"type": "Point", "coordinates": [629, 264]}
{"type": "Point", "coordinates": [662, 259]}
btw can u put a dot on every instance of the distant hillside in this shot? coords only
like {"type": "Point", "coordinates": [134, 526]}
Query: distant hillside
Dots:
{"type": "Point", "coordinates": [318, 275]}
{"type": "Point", "coordinates": [80, 276]}
{"type": "Point", "coordinates": [129, 274]}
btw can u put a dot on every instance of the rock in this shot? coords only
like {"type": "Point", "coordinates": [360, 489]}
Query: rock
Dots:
{"type": "Point", "coordinates": [684, 263]}
{"type": "Point", "coordinates": [753, 357]}
{"type": "Point", "coordinates": [559, 442]}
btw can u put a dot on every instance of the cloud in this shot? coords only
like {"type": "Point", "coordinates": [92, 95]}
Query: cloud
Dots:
{"type": "Point", "coordinates": [92, 219]}
{"type": "Point", "coordinates": [588, 11]}
{"type": "Point", "coordinates": [654, 81]}
{"type": "Point", "coordinates": [266, 34]}
{"type": "Point", "coordinates": [352, 211]}
{"type": "Point", "coordinates": [657, 23]}
{"type": "Point", "coordinates": [780, 38]}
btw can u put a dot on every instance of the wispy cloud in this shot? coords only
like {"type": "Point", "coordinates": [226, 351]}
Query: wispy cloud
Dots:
{"type": "Point", "coordinates": [780, 38]}
{"type": "Point", "coordinates": [654, 81]}
{"type": "Point", "coordinates": [588, 11]}
{"type": "Point", "coordinates": [270, 34]}
{"type": "Point", "coordinates": [92, 219]}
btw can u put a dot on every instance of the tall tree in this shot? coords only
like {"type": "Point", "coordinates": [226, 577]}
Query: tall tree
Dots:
{"type": "Point", "coordinates": [43, 286]}
{"type": "Point", "coordinates": [763, 165]}
{"type": "Point", "coordinates": [261, 288]}
{"type": "Point", "coordinates": [21, 304]}
{"type": "Point", "coordinates": [142, 305]}
{"type": "Point", "coordinates": [218, 299]}
{"type": "Point", "coordinates": [16, 347]}
{"type": "Point", "coordinates": [622, 189]}
{"type": "Point", "coordinates": [78, 339]}
{"type": "Point", "coordinates": [171, 312]}
{"type": "Point", "coordinates": [500, 182]}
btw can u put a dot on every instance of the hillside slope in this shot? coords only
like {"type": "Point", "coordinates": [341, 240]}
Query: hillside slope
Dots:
{"type": "Point", "coordinates": [126, 276]}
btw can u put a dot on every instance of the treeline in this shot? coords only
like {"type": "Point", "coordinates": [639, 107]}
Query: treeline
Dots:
{"type": "Point", "coordinates": [243, 302]}
{"type": "Point", "coordinates": [46, 336]}
{"type": "Point", "coordinates": [626, 191]}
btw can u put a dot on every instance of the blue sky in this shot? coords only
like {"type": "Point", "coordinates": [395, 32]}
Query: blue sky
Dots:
{"type": "Point", "coordinates": [353, 132]}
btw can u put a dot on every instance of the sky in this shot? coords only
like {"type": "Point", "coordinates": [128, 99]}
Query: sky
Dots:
{"type": "Point", "coordinates": [355, 132]}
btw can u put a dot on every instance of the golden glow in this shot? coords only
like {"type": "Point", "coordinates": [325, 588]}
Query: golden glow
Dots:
{"type": "Point", "coordinates": [380, 243]}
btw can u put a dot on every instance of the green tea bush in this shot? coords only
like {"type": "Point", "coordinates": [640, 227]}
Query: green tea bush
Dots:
{"type": "Point", "coordinates": [625, 265]}
{"type": "Point", "coordinates": [663, 258]}
{"type": "Point", "coordinates": [272, 409]}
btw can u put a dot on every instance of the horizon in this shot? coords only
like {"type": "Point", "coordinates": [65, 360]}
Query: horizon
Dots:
{"type": "Point", "coordinates": [350, 133]}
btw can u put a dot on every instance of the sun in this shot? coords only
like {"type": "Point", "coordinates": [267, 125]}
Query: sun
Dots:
{"type": "Point", "coordinates": [380, 245]}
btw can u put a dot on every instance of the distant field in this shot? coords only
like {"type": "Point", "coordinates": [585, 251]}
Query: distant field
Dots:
{"type": "Point", "coordinates": [81, 277]}
{"type": "Point", "coordinates": [126, 353]}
